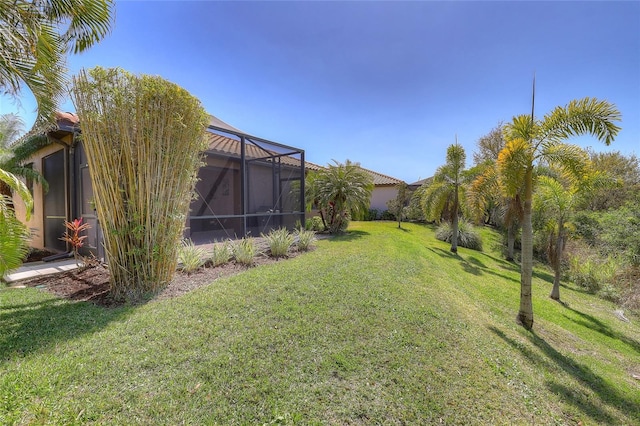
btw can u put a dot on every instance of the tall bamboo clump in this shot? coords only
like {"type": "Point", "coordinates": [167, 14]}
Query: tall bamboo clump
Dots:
{"type": "Point", "coordinates": [144, 139]}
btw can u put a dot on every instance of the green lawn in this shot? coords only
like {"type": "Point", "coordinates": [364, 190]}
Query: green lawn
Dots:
{"type": "Point", "coordinates": [380, 326]}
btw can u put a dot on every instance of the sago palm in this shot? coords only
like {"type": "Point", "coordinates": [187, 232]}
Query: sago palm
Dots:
{"type": "Point", "coordinates": [35, 35]}
{"type": "Point", "coordinates": [339, 189]}
{"type": "Point", "coordinates": [443, 195]}
{"type": "Point", "coordinates": [530, 141]}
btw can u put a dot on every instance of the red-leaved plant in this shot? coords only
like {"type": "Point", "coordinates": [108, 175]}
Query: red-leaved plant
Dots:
{"type": "Point", "coordinates": [73, 237]}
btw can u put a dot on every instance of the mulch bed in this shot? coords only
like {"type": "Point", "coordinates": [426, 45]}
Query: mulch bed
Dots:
{"type": "Point", "coordinates": [92, 284]}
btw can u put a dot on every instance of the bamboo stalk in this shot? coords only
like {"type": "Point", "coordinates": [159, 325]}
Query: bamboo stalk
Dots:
{"type": "Point", "coordinates": [143, 137]}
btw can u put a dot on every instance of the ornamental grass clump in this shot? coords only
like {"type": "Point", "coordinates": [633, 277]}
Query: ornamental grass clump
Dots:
{"type": "Point", "coordinates": [143, 137]}
{"type": "Point", "coordinates": [190, 257]}
{"type": "Point", "coordinates": [306, 239]}
{"type": "Point", "coordinates": [279, 241]}
{"type": "Point", "coordinates": [467, 236]}
{"type": "Point", "coordinates": [221, 253]}
{"type": "Point", "coordinates": [244, 251]}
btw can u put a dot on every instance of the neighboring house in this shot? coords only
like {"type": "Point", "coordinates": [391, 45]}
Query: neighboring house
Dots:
{"type": "Point", "coordinates": [385, 188]}
{"type": "Point", "coordinates": [246, 186]}
{"type": "Point", "coordinates": [417, 184]}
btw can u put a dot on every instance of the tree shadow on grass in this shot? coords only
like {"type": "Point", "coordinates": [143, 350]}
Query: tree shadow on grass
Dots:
{"type": "Point", "coordinates": [550, 359]}
{"type": "Point", "coordinates": [593, 323]}
{"type": "Point", "coordinates": [348, 236]}
{"type": "Point", "coordinates": [472, 265]}
{"type": "Point", "coordinates": [31, 326]}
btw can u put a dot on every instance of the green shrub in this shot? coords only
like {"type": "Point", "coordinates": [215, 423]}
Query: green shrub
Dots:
{"type": "Point", "coordinates": [592, 273]}
{"type": "Point", "coordinates": [314, 224]}
{"type": "Point", "coordinates": [280, 241]}
{"type": "Point", "coordinates": [221, 253]}
{"type": "Point", "coordinates": [306, 239]}
{"type": "Point", "coordinates": [467, 235]}
{"type": "Point", "coordinates": [190, 257]}
{"type": "Point", "coordinates": [387, 215]}
{"type": "Point", "coordinates": [244, 251]}
{"type": "Point", "coordinates": [371, 214]}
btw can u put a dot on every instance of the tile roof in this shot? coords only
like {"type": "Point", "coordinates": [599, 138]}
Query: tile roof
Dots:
{"type": "Point", "coordinates": [379, 179]}
{"type": "Point", "coordinates": [421, 182]}
{"type": "Point", "coordinates": [228, 146]}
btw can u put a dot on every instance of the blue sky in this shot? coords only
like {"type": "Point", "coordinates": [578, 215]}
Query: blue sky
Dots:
{"type": "Point", "coordinates": [387, 84]}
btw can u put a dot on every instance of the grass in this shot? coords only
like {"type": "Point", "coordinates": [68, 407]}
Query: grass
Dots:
{"type": "Point", "coordinates": [381, 325]}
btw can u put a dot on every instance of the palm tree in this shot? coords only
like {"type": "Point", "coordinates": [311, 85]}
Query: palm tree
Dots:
{"type": "Point", "coordinates": [338, 190]}
{"type": "Point", "coordinates": [13, 234]}
{"type": "Point", "coordinates": [14, 155]}
{"type": "Point", "coordinates": [35, 35]}
{"type": "Point", "coordinates": [555, 200]}
{"type": "Point", "coordinates": [488, 194]}
{"type": "Point", "coordinates": [443, 195]}
{"type": "Point", "coordinates": [10, 169]}
{"type": "Point", "coordinates": [530, 141]}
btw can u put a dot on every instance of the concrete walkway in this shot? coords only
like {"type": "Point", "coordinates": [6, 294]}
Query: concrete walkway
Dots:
{"type": "Point", "coordinates": [39, 269]}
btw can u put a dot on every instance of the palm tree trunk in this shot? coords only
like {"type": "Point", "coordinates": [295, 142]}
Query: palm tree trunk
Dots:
{"type": "Point", "coordinates": [511, 240]}
{"type": "Point", "coordinates": [525, 315]}
{"type": "Point", "coordinates": [454, 224]}
{"type": "Point", "coordinates": [555, 292]}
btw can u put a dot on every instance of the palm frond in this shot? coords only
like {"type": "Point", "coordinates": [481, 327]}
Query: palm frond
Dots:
{"type": "Point", "coordinates": [19, 188]}
{"type": "Point", "coordinates": [513, 161]}
{"type": "Point", "coordinates": [435, 199]}
{"type": "Point", "coordinates": [581, 117]}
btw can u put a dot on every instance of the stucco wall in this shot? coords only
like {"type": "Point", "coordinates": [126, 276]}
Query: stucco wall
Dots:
{"type": "Point", "coordinates": [36, 223]}
{"type": "Point", "coordinates": [380, 196]}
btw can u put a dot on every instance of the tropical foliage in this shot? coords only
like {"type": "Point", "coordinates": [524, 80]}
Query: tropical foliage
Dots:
{"type": "Point", "coordinates": [338, 190]}
{"type": "Point", "coordinates": [15, 159]}
{"type": "Point", "coordinates": [467, 235]}
{"type": "Point", "coordinates": [306, 239]}
{"type": "Point", "coordinates": [34, 39]}
{"type": "Point", "coordinates": [143, 136]}
{"type": "Point", "coordinates": [555, 201]}
{"type": "Point", "coordinates": [10, 168]}
{"type": "Point", "coordinates": [245, 251]}
{"type": "Point", "coordinates": [280, 241]}
{"type": "Point", "coordinates": [441, 199]}
{"type": "Point", "coordinates": [190, 257]}
{"type": "Point", "coordinates": [397, 206]}
{"type": "Point", "coordinates": [13, 238]}
{"type": "Point", "coordinates": [530, 141]}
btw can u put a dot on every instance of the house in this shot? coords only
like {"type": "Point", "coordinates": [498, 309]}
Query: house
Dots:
{"type": "Point", "coordinates": [247, 186]}
{"type": "Point", "coordinates": [385, 188]}
{"type": "Point", "coordinates": [417, 184]}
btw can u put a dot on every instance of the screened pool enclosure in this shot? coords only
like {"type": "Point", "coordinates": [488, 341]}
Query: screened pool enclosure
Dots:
{"type": "Point", "coordinates": [247, 186]}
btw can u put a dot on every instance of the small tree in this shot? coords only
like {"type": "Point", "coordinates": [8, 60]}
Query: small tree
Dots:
{"type": "Point", "coordinates": [144, 138]}
{"type": "Point", "coordinates": [530, 141]}
{"type": "Point", "coordinates": [443, 195]}
{"type": "Point", "coordinates": [397, 205]}
{"type": "Point", "coordinates": [555, 201]}
{"type": "Point", "coordinates": [337, 190]}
